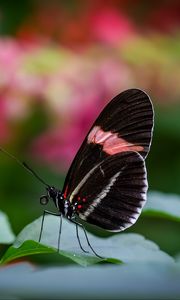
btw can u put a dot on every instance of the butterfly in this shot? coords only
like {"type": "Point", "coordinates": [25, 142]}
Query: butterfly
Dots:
{"type": "Point", "coordinates": [106, 184]}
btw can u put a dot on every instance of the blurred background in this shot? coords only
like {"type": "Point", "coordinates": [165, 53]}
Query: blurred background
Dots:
{"type": "Point", "coordinates": [60, 63]}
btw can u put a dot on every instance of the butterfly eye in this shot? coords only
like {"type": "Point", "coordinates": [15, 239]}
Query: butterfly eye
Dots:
{"type": "Point", "coordinates": [44, 200]}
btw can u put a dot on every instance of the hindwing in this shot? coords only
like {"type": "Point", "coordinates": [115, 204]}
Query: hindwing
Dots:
{"type": "Point", "coordinates": [113, 193]}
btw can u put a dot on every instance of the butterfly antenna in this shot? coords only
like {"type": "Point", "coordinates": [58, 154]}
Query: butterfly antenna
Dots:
{"type": "Point", "coordinates": [25, 166]}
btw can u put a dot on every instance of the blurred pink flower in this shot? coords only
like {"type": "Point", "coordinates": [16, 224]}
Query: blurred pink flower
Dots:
{"type": "Point", "coordinates": [10, 55]}
{"type": "Point", "coordinates": [112, 26]}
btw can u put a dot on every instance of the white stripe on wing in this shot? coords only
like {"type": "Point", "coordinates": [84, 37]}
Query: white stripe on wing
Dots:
{"type": "Point", "coordinates": [76, 190]}
{"type": "Point", "coordinates": [99, 197]}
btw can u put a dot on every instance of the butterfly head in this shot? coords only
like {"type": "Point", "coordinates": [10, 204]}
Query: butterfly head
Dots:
{"type": "Point", "coordinates": [57, 197]}
{"type": "Point", "coordinates": [52, 194]}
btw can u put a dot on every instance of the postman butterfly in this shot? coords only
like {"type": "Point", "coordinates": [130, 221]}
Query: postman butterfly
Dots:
{"type": "Point", "coordinates": [106, 184]}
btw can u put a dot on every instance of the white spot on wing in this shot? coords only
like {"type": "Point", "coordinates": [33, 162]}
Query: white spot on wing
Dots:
{"type": "Point", "coordinates": [102, 171]}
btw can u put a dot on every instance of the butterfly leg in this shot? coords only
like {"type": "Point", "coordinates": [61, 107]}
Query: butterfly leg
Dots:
{"type": "Point", "coordinates": [77, 234]}
{"type": "Point", "coordinates": [46, 212]}
{"type": "Point", "coordinates": [60, 230]}
{"type": "Point", "coordinates": [88, 242]}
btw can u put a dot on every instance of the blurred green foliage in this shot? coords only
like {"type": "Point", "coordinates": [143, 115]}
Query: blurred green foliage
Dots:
{"type": "Point", "coordinates": [13, 14]}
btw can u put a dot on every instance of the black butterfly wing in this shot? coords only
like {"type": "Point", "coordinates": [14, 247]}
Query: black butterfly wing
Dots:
{"type": "Point", "coordinates": [130, 115]}
{"type": "Point", "coordinates": [125, 124]}
{"type": "Point", "coordinates": [112, 195]}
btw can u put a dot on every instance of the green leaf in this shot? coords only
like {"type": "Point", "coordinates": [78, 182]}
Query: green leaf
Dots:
{"type": "Point", "coordinates": [31, 247]}
{"type": "Point", "coordinates": [117, 248]}
{"type": "Point", "coordinates": [6, 234]}
{"type": "Point", "coordinates": [163, 205]}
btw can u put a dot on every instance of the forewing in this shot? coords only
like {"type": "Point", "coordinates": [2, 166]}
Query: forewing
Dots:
{"type": "Point", "coordinates": [125, 124]}
{"type": "Point", "coordinates": [129, 117]}
{"type": "Point", "coordinates": [115, 192]}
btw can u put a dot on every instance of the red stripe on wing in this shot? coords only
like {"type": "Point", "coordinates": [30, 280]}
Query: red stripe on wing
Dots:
{"type": "Point", "coordinates": [112, 144]}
